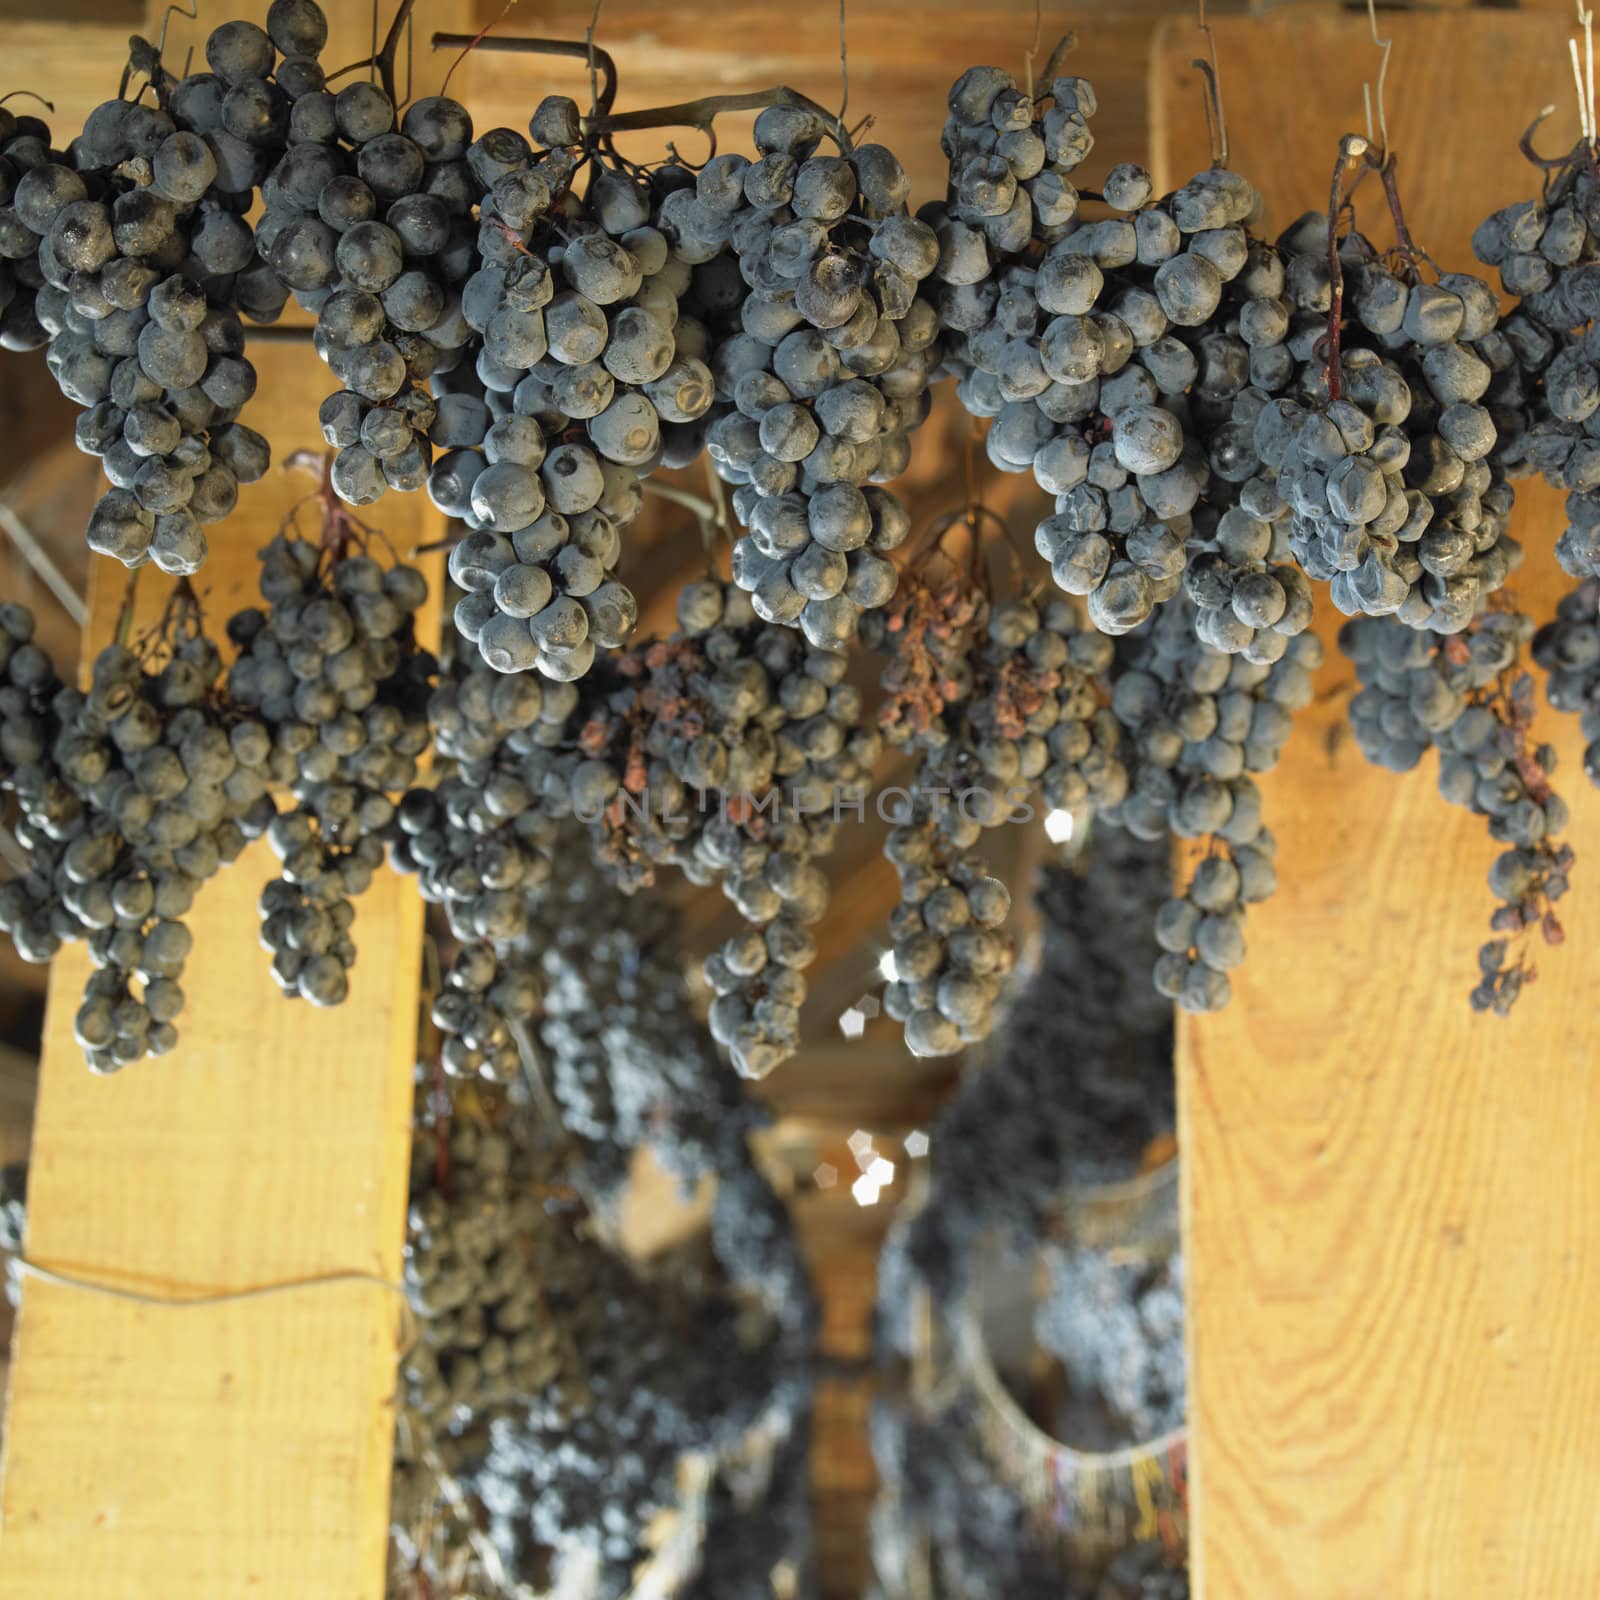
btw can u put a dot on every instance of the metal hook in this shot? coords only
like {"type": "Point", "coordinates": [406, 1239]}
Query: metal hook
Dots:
{"type": "Point", "coordinates": [410, 61]}
{"type": "Point", "coordinates": [192, 14]}
{"type": "Point", "coordinates": [1033, 49]}
{"type": "Point", "coordinates": [1212, 73]}
{"type": "Point", "coordinates": [1386, 45]}
{"type": "Point", "coordinates": [588, 44]}
{"type": "Point", "coordinates": [844, 63]}
{"type": "Point", "coordinates": [1584, 78]}
{"type": "Point", "coordinates": [1585, 133]}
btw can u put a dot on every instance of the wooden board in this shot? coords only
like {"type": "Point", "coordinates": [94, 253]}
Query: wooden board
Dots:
{"type": "Point", "coordinates": [240, 1449]}
{"type": "Point", "coordinates": [1392, 1206]}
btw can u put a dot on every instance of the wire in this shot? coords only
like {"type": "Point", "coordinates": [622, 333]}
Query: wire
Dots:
{"type": "Point", "coordinates": [1386, 45]}
{"type": "Point", "coordinates": [138, 1297]}
{"type": "Point", "coordinates": [844, 62]}
{"type": "Point", "coordinates": [1212, 72]}
{"type": "Point", "coordinates": [1033, 49]}
{"type": "Point", "coordinates": [588, 40]}
{"type": "Point", "coordinates": [1583, 77]}
{"type": "Point", "coordinates": [1584, 131]}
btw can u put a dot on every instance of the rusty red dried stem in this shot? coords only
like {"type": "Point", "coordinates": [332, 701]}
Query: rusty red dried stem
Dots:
{"type": "Point", "coordinates": [1335, 271]}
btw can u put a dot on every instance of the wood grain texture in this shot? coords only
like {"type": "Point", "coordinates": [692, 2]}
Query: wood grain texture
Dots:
{"type": "Point", "coordinates": [1392, 1208]}
{"type": "Point", "coordinates": [241, 1449]}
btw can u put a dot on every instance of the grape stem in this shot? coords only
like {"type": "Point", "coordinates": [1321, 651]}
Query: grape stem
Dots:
{"type": "Point", "coordinates": [1547, 163]}
{"type": "Point", "coordinates": [384, 60]}
{"type": "Point", "coordinates": [512, 44]}
{"type": "Point", "coordinates": [1391, 193]}
{"type": "Point", "coordinates": [702, 113]}
{"type": "Point", "coordinates": [1065, 45]}
{"type": "Point", "coordinates": [1351, 148]}
{"type": "Point", "coordinates": [125, 610]}
{"type": "Point", "coordinates": [182, 611]}
{"type": "Point", "coordinates": [703, 509]}
{"type": "Point", "coordinates": [280, 333]}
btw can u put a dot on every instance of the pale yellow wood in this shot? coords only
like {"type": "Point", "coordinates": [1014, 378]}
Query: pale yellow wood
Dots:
{"type": "Point", "coordinates": [242, 1449]}
{"type": "Point", "coordinates": [1392, 1206]}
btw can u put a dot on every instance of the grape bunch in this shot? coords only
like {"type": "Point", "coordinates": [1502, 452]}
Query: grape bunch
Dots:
{"type": "Point", "coordinates": [489, 995]}
{"type": "Point", "coordinates": [1116, 1326]}
{"type": "Point", "coordinates": [946, 1524]}
{"type": "Point", "coordinates": [367, 221]}
{"type": "Point", "coordinates": [1568, 648]}
{"type": "Point", "coordinates": [822, 350]}
{"type": "Point", "coordinates": [143, 261]}
{"type": "Point", "coordinates": [491, 1251]}
{"type": "Point", "coordinates": [369, 225]}
{"type": "Point", "coordinates": [499, 341]}
{"type": "Point", "coordinates": [589, 1459]}
{"type": "Point", "coordinates": [488, 1251]}
{"type": "Point", "coordinates": [1465, 696]}
{"type": "Point", "coordinates": [1397, 498]}
{"type": "Point", "coordinates": [759, 1536]}
{"type": "Point", "coordinates": [627, 1061]}
{"type": "Point", "coordinates": [1085, 341]}
{"type": "Point", "coordinates": [479, 838]}
{"type": "Point", "coordinates": [132, 795]}
{"type": "Point", "coordinates": [581, 364]}
{"type": "Point", "coordinates": [768, 856]}
{"type": "Point", "coordinates": [729, 751]}
{"type": "Point", "coordinates": [1001, 704]}
{"type": "Point", "coordinates": [1543, 251]}
{"type": "Point", "coordinates": [1199, 723]}
{"type": "Point", "coordinates": [332, 670]}
{"type": "Point", "coordinates": [1078, 1081]}
{"type": "Point", "coordinates": [480, 846]}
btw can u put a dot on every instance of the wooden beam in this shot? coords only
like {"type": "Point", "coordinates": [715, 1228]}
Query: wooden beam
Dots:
{"type": "Point", "coordinates": [1392, 1210]}
{"type": "Point", "coordinates": [240, 1448]}
{"type": "Point", "coordinates": [244, 1448]}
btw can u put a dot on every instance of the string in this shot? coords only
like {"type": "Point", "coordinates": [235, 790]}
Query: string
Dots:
{"type": "Point", "coordinates": [27, 1268]}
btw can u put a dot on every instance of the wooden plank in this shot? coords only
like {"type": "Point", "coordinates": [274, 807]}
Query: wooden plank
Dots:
{"type": "Point", "coordinates": [242, 1448]}
{"type": "Point", "coordinates": [1391, 1206]}
{"type": "Point", "coordinates": [239, 1449]}
{"type": "Point", "coordinates": [842, 1241]}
